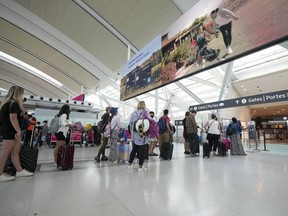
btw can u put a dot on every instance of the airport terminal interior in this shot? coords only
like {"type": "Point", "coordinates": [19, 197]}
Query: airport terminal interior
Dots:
{"type": "Point", "coordinates": [77, 52]}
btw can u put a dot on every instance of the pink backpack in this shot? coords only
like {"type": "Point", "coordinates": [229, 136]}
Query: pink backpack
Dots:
{"type": "Point", "coordinates": [153, 129]}
{"type": "Point", "coordinates": [107, 130]}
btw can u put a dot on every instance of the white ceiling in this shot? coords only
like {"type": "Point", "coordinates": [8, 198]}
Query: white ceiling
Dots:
{"type": "Point", "coordinates": [83, 44]}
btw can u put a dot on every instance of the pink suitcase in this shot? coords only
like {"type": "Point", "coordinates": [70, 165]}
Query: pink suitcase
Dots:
{"type": "Point", "coordinates": [226, 142]}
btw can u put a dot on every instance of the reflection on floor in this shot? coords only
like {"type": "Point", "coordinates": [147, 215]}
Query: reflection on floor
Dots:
{"type": "Point", "coordinates": [234, 185]}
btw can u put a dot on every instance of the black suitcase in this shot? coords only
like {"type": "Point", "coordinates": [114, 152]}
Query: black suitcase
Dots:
{"type": "Point", "coordinates": [222, 150]}
{"type": "Point", "coordinates": [166, 151]}
{"type": "Point", "coordinates": [29, 157]}
{"type": "Point", "coordinates": [206, 150]}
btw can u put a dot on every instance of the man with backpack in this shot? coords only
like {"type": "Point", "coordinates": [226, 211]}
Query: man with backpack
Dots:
{"type": "Point", "coordinates": [164, 129]}
{"type": "Point", "coordinates": [104, 119]}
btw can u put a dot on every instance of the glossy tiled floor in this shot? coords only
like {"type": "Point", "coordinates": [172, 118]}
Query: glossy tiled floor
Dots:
{"type": "Point", "coordinates": [252, 185]}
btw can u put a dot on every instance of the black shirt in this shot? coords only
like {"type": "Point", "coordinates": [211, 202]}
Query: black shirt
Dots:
{"type": "Point", "coordinates": [6, 110]}
{"type": "Point", "coordinates": [105, 118]}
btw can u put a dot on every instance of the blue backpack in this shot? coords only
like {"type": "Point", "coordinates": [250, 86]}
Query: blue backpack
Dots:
{"type": "Point", "coordinates": [162, 125]}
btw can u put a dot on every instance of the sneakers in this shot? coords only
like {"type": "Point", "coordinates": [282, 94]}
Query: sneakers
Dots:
{"type": "Point", "coordinates": [97, 159]}
{"type": "Point", "coordinates": [112, 162]}
{"type": "Point", "coordinates": [4, 178]}
{"type": "Point", "coordinates": [142, 169]}
{"type": "Point", "coordinates": [129, 167]}
{"type": "Point", "coordinates": [24, 173]}
{"type": "Point", "coordinates": [229, 50]}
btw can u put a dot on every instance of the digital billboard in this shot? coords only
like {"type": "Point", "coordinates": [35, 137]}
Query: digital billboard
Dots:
{"type": "Point", "coordinates": [209, 34]}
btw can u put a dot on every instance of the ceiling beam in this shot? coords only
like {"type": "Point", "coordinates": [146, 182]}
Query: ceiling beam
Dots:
{"type": "Point", "coordinates": [226, 80]}
{"type": "Point", "coordinates": [180, 85]}
{"type": "Point", "coordinates": [12, 81]}
{"type": "Point", "coordinates": [29, 22]}
{"type": "Point", "coordinates": [204, 82]}
{"type": "Point", "coordinates": [106, 24]}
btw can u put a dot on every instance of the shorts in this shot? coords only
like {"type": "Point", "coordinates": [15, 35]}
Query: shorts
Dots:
{"type": "Point", "coordinates": [153, 139]}
{"type": "Point", "coordinates": [60, 136]}
{"type": "Point", "coordinates": [8, 135]}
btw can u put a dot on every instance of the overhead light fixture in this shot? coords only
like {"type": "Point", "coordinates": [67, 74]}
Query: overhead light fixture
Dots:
{"type": "Point", "coordinates": [20, 64]}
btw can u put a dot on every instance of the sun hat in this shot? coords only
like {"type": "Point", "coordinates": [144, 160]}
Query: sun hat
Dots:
{"type": "Point", "coordinates": [113, 110]}
{"type": "Point", "coordinates": [142, 126]}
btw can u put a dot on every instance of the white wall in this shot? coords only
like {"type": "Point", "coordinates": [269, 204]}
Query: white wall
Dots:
{"type": "Point", "coordinates": [47, 114]}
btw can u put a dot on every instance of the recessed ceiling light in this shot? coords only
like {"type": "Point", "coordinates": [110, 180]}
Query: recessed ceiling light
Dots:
{"type": "Point", "coordinates": [242, 86]}
{"type": "Point", "coordinates": [245, 89]}
{"type": "Point", "coordinates": [265, 107]}
{"type": "Point", "coordinates": [278, 111]}
{"type": "Point", "coordinates": [283, 109]}
{"type": "Point", "coordinates": [274, 113]}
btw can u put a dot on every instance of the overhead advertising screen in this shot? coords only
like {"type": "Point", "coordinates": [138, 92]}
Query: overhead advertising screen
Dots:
{"type": "Point", "coordinates": [209, 34]}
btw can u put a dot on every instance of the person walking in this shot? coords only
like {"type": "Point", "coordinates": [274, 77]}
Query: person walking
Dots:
{"type": "Point", "coordinates": [153, 137]}
{"type": "Point", "coordinates": [164, 135]}
{"type": "Point", "coordinates": [44, 132]}
{"type": "Point", "coordinates": [185, 135]}
{"type": "Point", "coordinates": [63, 130]}
{"type": "Point", "coordinates": [192, 131]}
{"type": "Point", "coordinates": [11, 120]}
{"type": "Point", "coordinates": [213, 133]}
{"type": "Point", "coordinates": [116, 127]}
{"type": "Point", "coordinates": [105, 119]}
{"type": "Point", "coordinates": [236, 147]}
{"type": "Point", "coordinates": [139, 141]}
{"type": "Point", "coordinates": [222, 19]}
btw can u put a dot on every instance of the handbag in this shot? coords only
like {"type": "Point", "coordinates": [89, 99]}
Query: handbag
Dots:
{"type": "Point", "coordinates": [208, 134]}
{"type": "Point", "coordinates": [230, 130]}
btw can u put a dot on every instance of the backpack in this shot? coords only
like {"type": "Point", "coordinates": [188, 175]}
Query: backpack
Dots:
{"type": "Point", "coordinates": [54, 125]}
{"type": "Point", "coordinates": [230, 130]}
{"type": "Point", "coordinates": [25, 124]}
{"type": "Point", "coordinates": [162, 125]}
{"type": "Point", "coordinates": [107, 130]}
{"type": "Point", "coordinates": [153, 129]}
{"type": "Point", "coordinates": [172, 128]}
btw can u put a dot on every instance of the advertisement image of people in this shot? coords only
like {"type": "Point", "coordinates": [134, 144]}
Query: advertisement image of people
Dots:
{"type": "Point", "coordinates": [209, 34]}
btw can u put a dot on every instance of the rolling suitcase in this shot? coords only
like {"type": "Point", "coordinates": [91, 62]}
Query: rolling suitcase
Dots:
{"type": "Point", "coordinates": [65, 157]}
{"type": "Point", "coordinates": [226, 141]}
{"type": "Point", "coordinates": [123, 151]}
{"type": "Point", "coordinates": [28, 157]}
{"type": "Point", "coordinates": [206, 150]}
{"type": "Point", "coordinates": [166, 151]}
{"type": "Point", "coordinates": [222, 149]}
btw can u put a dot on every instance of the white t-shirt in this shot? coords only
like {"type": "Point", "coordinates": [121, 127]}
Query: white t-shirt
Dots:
{"type": "Point", "coordinates": [116, 123]}
{"type": "Point", "coordinates": [214, 127]}
{"type": "Point", "coordinates": [64, 121]}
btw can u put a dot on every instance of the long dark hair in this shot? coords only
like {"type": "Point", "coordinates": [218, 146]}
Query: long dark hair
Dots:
{"type": "Point", "coordinates": [64, 109]}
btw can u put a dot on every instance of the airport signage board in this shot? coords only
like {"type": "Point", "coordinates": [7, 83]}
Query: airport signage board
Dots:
{"type": "Point", "coordinates": [271, 97]}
